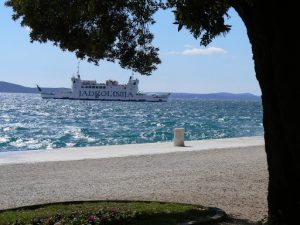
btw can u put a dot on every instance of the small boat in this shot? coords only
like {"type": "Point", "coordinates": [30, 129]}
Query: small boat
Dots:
{"type": "Point", "coordinates": [111, 90]}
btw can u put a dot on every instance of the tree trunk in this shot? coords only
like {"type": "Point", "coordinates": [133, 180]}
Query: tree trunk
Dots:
{"type": "Point", "coordinates": [274, 45]}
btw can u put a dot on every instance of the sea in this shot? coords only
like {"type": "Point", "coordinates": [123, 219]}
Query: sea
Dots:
{"type": "Point", "coordinates": [28, 122]}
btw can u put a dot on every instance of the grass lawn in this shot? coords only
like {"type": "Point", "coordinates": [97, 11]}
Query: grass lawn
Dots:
{"type": "Point", "coordinates": [109, 212]}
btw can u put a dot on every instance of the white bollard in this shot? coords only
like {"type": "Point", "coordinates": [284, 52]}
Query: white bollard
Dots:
{"type": "Point", "coordinates": [179, 137]}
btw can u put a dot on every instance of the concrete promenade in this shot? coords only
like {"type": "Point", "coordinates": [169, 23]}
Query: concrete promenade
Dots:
{"type": "Point", "coordinates": [112, 151]}
{"type": "Point", "coordinates": [226, 173]}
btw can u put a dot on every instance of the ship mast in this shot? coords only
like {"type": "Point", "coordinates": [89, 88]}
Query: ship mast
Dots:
{"type": "Point", "coordinates": [78, 69]}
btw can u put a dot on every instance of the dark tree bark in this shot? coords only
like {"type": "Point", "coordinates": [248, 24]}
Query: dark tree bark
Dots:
{"type": "Point", "coordinates": [271, 30]}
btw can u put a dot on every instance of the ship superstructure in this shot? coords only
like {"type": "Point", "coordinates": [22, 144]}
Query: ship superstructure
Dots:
{"type": "Point", "coordinates": [111, 90]}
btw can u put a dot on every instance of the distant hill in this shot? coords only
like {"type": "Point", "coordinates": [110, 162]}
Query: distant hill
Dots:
{"type": "Point", "coordinates": [217, 96]}
{"type": "Point", "coordinates": [15, 88]}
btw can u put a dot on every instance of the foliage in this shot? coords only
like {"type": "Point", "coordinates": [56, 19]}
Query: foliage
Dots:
{"type": "Point", "coordinates": [116, 29]}
{"type": "Point", "coordinates": [96, 29]}
{"type": "Point", "coordinates": [204, 19]}
{"type": "Point", "coordinates": [133, 213]}
{"type": "Point", "coordinates": [103, 216]}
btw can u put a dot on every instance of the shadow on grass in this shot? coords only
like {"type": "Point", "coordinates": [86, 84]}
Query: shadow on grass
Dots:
{"type": "Point", "coordinates": [234, 221]}
{"type": "Point", "coordinates": [188, 217]}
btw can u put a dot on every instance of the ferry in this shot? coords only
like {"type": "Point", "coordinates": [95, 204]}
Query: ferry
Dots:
{"type": "Point", "coordinates": [111, 90]}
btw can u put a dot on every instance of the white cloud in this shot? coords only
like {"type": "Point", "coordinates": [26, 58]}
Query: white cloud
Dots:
{"type": "Point", "coordinates": [191, 51]}
{"type": "Point", "coordinates": [204, 51]}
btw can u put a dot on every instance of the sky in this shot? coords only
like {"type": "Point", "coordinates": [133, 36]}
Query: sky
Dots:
{"type": "Point", "coordinates": [225, 65]}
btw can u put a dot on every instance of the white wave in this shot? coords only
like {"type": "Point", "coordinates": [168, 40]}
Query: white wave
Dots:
{"type": "Point", "coordinates": [5, 129]}
{"type": "Point", "coordinates": [4, 139]}
{"type": "Point", "coordinates": [90, 139]}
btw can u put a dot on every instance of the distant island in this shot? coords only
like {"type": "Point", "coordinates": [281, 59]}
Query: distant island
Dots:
{"type": "Point", "coordinates": [217, 96]}
{"type": "Point", "coordinates": [15, 88]}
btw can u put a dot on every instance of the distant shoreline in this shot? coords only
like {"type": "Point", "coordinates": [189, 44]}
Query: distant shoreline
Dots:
{"type": "Point", "coordinates": [6, 87]}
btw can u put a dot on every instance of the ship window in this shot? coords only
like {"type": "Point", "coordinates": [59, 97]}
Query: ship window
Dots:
{"type": "Point", "coordinates": [90, 87]}
{"type": "Point", "coordinates": [104, 87]}
{"type": "Point", "coordinates": [82, 86]}
{"type": "Point", "coordinates": [134, 83]}
{"type": "Point", "coordinates": [124, 87]}
{"type": "Point", "coordinates": [100, 87]}
{"type": "Point", "coordinates": [93, 86]}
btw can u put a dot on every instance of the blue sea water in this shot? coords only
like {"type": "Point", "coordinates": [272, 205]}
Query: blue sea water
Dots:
{"type": "Point", "coordinates": [28, 122]}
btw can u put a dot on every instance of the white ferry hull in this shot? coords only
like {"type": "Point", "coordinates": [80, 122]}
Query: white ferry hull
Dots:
{"type": "Point", "coordinates": [108, 97]}
{"type": "Point", "coordinates": [46, 95]}
{"type": "Point", "coordinates": [109, 91]}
